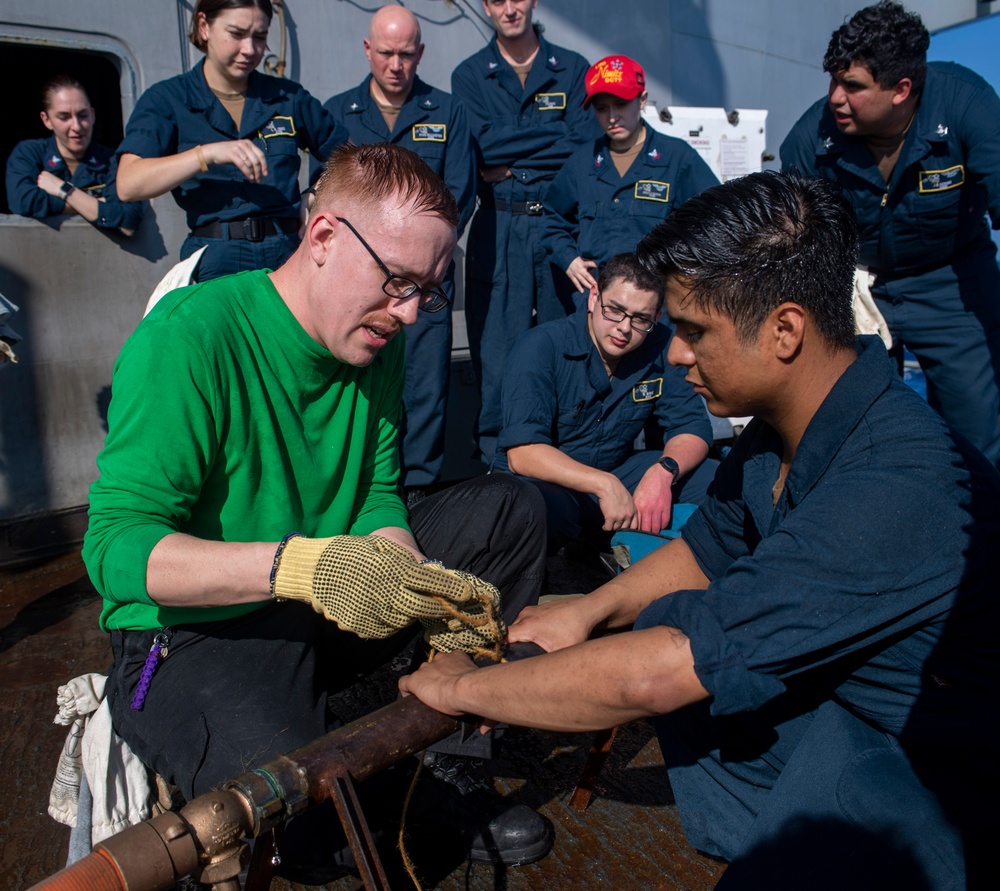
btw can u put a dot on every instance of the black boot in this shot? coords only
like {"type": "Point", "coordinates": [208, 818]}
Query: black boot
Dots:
{"type": "Point", "coordinates": [454, 794]}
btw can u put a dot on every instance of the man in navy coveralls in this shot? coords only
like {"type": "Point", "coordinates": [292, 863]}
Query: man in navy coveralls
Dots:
{"type": "Point", "coordinates": [524, 97]}
{"type": "Point", "coordinates": [917, 147]}
{"type": "Point", "coordinates": [818, 651]}
{"type": "Point", "coordinates": [394, 105]}
{"type": "Point", "coordinates": [577, 393]}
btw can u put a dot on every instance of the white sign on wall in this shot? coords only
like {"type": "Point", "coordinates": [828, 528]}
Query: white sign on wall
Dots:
{"type": "Point", "coordinates": [731, 143]}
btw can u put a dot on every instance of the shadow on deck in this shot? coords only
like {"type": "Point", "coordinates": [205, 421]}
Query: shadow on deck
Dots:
{"type": "Point", "coordinates": [629, 837]}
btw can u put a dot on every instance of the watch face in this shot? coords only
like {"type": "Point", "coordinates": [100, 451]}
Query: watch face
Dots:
{"type": "Point", "coordinates": [670, 465]}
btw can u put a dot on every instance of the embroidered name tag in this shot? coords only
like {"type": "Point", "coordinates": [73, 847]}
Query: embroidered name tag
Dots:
{"type": "Point", "coordinates": [550, 101]}
{"type": "Point", "coordinates": [429, 133]}
{"type": "Point", "coordinates": [644, 391]}
{"type": "Point", "coordinates": [651, 190]}
{"type": "Point", "coordinates": [942, 180]}
{"type": "Point", "coordinates": [280, 125]}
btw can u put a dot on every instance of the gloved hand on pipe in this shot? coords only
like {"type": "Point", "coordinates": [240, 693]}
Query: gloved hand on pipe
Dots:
{"type": "Point", "coordinates": [373, 587]}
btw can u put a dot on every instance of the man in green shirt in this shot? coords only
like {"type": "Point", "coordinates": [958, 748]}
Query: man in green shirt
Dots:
{"type": "Point", "coordinates": [264, 404]}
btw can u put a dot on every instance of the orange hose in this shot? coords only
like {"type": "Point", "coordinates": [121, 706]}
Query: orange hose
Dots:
{"type": "Point", "coordinates": [95, 872]}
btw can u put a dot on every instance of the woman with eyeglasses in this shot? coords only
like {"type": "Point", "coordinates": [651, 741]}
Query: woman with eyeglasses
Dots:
{"type": "Point", "coordinates": [67, 172]}
{"type": "Point", "coordinates": [225, 140]}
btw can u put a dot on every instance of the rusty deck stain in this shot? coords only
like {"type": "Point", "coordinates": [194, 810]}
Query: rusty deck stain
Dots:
{"type": "Point", "coordinates": [629, 837]}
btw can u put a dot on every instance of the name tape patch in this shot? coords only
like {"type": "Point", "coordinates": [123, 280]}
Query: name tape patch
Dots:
{"type": "Point", "coordinates": [645, 391]}
{"type": "Point", "coordinates": [279, 125]}
{"type": "Point", "coordinates": [652, 190]}
{"type": "Point", "coordinates": [550, 101]}
{"type": "Point", "coordinates": [429, 133]}
{"type": "Point", "coordinates": [942, 180]}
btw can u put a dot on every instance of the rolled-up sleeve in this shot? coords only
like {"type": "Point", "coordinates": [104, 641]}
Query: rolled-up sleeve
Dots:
{"type": "Point", "coordinates": [825, 582]}
{"type": "Point", "coordinates": [152, 129]}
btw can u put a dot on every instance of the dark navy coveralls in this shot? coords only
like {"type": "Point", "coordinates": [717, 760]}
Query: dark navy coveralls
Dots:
{"type": "Point", "coordinates": [434, 125]}
{"type": "Point", "coordinates": [245, 225]}
{"type": "Point", "coordinates": [95, 175]}
{"type": "Point", "coordinates": [593, 212]}
{"type": "Point", "coordinates": [925, 237]}
{"type": "Point", "coordinates": [532, 131]}
{"type": "Point", "coordinates": [556, 391]}
{"type": "Point", "coordinates": [848, 641]}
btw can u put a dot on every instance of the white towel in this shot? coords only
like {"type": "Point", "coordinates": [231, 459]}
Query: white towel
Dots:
{"type": "Point", "coordinates": [867, 318]}
{"type": "Point", "coordinates": [179, 275]}
{"type": "Point", "coordinates": [118, 780]}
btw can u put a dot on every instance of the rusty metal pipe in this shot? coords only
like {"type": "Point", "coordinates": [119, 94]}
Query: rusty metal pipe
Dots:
{"type": "Point", "coordinates": [290, 783]}
{"type": "Point", "coordinates": [205, 839]}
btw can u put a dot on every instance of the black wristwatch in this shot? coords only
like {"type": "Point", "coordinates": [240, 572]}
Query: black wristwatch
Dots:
{"type": "Point", "coordinates": [67, 189]}
{"type": "Point", "coordinates": [670, 466]}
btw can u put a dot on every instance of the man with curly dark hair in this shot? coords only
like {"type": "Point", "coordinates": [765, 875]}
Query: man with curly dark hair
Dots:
{"type": "Point", "coordinates": [917, 147]}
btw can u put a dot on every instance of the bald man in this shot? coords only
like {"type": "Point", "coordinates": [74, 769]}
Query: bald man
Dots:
{"type": "Point", "coordinates": [393, 105]}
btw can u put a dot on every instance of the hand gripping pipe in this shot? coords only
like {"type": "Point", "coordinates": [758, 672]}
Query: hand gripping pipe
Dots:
{"type": "Point", "coordinates": [205, 839]}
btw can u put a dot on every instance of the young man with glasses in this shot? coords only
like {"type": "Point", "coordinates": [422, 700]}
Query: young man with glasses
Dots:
{"type": "Point", "coordinates": [252, 461]}
{"type": "Point", "coordinates": [577, 392]}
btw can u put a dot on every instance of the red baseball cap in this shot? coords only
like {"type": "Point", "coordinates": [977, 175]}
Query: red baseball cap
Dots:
{"type": "Point", "coordinates": [618, 75]}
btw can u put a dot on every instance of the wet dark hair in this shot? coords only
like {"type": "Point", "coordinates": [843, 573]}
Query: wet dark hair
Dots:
{"type": "Point", "coordinates": [211, 9]}
{"type": "Point", "coordinates": [889, 41]}
{"type": "Point", "coordinates": [371, 174]}
{"type": "Point", "coordinates": [60, 82]}
{"type": "Point", "coordinates": [627, 268]}
{"type": "Point", "coordinates": [746, 247]}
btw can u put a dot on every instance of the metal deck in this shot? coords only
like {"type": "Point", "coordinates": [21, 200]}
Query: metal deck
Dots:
{"type": "Point", "coordinates": [629, 837]}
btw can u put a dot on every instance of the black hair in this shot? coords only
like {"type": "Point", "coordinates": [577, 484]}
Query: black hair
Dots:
{"type": "Point", "coordinates": [745, 247]}
{"type": "Point", "coordinates": [627, 268]}
{"type": "Point", "coordinates": [889, 41]}
{"type": "Point", "coordinates": [60, 82]}
{"type": "Point", "coordinates": [211, 9]}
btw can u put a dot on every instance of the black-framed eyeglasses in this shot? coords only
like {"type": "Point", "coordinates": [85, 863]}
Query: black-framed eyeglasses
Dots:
{"type": "Point", "coordinates": [399, 287]}
{"type": "Point", "coordinates": [640, 323]}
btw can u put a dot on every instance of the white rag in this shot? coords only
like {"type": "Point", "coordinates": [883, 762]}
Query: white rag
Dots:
{"type": "Point", "coordinates": [867, 318]}
{"type": "Point", "coordinates": [118, 780]}
{"type": "Point", "coordinates": [179, 275]}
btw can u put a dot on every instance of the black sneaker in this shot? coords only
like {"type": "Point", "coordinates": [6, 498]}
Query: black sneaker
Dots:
{"type": "Point", "coordinates": [455, 794]}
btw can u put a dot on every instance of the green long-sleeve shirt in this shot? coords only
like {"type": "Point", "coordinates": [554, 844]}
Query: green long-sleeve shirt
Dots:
{"type": "Point", "coordinates": [229, 423]}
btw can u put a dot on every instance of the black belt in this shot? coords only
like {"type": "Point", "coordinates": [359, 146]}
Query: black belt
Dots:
{"type": "Point", "coordinates": [531, 208]}
{"type": "Point", "coordinates": [251, 229]}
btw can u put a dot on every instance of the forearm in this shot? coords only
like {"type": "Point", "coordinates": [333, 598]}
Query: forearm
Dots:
{"type": "Point", "coordinates": [687, 450]}
{"type": "Point", "coordinates": [545, 462]}
{"type": "Point", "coordinates": [187, 571]}
{"type": "Point", "coordinates": [670, 568]}
{"type": "Point", "coordinates": [594, 685]}
{"type": "Point", "coordinates": [143, 178]}
{"type": "Point", "coordinates": [566, 622]}
{"type": "Point", "coordinates": [84, 204]}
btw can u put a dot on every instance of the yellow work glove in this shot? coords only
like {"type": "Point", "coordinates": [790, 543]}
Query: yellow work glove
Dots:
{"type": "Point", "coordinates": [374, 587]}
{"type": "Point", "coordinates": [476, 627]}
